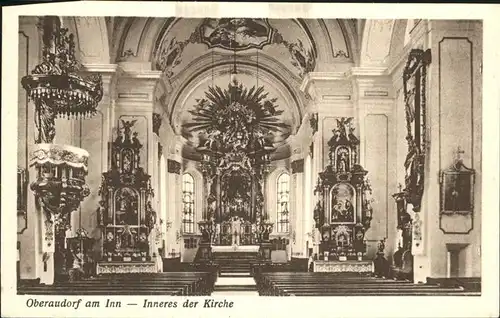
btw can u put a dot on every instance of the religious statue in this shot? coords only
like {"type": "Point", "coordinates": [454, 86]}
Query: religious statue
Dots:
{"type": "Point", "coordinates": [127, 160]}
{"type": "Point", "coordinates": [216, 236]}
{"type": "Point", "coordinates": [108, 244]}
{"type": "Point", "coordinates": [266, 232]}
{"type": "Point", "coordinates": [150, 216]}
{"type": "Point", "coordinates": [342, 162]}
{"type": "Point", "coordinates": [236, 230]}
{"type": "Point", "coordinates": [77, 271]}
{"type": "Point", "coordinates": [205, 235]}
{"type": "Point", "coordinates": [127, 128]}
{"type": "Point", "coordinates": [100, 211]}
{"type": "Point", "coordinates": [45, 122]}
{"type": "Point", "coordinates": [412, 177]}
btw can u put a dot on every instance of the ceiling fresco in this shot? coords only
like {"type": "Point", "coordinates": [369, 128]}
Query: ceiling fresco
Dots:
{"type": "Point", "coordinates": [286, 41]}
{"type": "Point", "coordinates": [236, 33]}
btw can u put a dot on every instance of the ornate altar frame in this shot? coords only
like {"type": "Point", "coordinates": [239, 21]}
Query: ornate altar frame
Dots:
{"type": "Point", "coordinates": [126, 215]}
{"type": "Point", "coordinates": [343, 212]}
{"type": "Point", "coordinates": [414, 85]}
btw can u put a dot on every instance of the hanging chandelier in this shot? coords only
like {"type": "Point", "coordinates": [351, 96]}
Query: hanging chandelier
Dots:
{"type": "Point", "coordinates": [55, 85]}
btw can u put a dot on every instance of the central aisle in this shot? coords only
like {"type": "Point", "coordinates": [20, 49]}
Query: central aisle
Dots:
{"type": "Point", "coordinates": [235, 286]}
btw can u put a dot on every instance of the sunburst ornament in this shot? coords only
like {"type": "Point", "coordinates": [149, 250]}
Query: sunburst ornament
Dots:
{"type": "Point", "coordinates": [236, 119]}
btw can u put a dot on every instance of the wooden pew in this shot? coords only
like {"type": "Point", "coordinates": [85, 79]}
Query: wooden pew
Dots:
{"type": "Point", "coordinates": [173, 283]}
{"type": "Point", "coordinates": [472, 284]}
{"type": "Point", "coordinates": [331, 284]}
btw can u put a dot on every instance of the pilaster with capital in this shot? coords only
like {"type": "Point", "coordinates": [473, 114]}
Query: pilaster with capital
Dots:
{"type": "Point", "coordinates": [297, 202]}
{"type": "Point", "coordinates": [174, 197]}
{"type": "Point", "coordinates": [93, 135]}
{"type": "Point", "coordinates": [135, 103]}
{"type": "Point", "coordinates": [330, 95]}
{"type": "Point", "coordinates": [375, 103]}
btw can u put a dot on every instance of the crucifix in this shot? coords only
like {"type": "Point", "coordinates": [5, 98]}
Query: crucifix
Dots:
{"type": "Point", "coordinates": [342, 240]}
{"type": "Point", "coordinates": [400, 187]}
{"type": "Point", "coordinates": [458, 155]}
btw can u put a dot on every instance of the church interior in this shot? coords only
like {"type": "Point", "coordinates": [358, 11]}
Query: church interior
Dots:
{"type": "Point", "coordinates": [275, 157]}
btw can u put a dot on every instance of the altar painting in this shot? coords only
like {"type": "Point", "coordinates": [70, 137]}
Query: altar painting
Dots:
{"type": "Point", "coordinates": [342, 205]}
{"type": "Point", "coordinates": [126, 205]}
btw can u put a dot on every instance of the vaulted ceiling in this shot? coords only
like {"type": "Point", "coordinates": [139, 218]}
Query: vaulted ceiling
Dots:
{"type": "Point", "coordinates": [194, 54]}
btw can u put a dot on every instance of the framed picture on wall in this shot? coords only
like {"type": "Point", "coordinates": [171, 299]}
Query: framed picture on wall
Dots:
{"type": "Point", "coordinates": [457, 190]}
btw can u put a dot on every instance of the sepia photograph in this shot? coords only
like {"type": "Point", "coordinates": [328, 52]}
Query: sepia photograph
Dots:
{"type": "Point", "coordinates": [220, 156]}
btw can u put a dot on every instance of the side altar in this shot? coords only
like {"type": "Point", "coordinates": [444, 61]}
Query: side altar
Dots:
{"type": "Point", "coordinates": [343, 210]}
{"type": "Point", "coordinates": [125, 215]}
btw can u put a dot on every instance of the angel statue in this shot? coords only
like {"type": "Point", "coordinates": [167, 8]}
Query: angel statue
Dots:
{"type": "Point", "coordinates": [345, 126]}
{"type": "Point", "coordinates": [127, 128]}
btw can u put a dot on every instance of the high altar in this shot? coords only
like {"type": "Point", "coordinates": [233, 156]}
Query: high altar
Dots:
{"type": "Point", "coordinates": [126, 216]}
{"type": "Point", "coordinates": [236, 128]}
{"type": "Point", "coordinates": [343, 211]}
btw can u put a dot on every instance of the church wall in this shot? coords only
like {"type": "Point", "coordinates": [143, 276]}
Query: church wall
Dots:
{"type": "Point", "coordinates": [453, 120]}
{"type": "Point", "coordinates": [90, 133]}
{"type": "Point", "coordinates": [29, 49]}
{"type": "Point", "coordinates": [377, 164]}
{"type": "Point", "coordinates": [94, 135]}
{"type": "Point", "coordinates": [455, 114]}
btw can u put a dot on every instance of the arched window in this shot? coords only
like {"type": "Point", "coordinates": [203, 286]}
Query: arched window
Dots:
{"type": "Point", "coordinates": [187, 203]}
{"type": "Point", "coordinates": [283, 200]}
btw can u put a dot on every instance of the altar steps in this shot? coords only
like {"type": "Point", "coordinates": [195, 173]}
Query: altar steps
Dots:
{"type": "Point", "coordinates": [235, 286]}
{"type": "Point", "coordinates": [235, 264]}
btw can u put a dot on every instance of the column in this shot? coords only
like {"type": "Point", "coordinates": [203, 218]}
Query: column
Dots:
{"type": "Point", "coordinates": [330, 96]}
{"type": "Point", "coordinates": [30, 235]}
{"type": "Point", "coordinates": [297, 204]}
{"type": "Point", "coordinates": [174, 191]}
{"type": "Point", "coordinates": [374, 99]}
{"type": "Point", "coordinates": [93, 134]}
